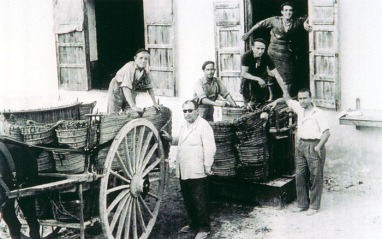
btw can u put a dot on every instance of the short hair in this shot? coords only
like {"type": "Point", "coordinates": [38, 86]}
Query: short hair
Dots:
{"type": "Point", "coordinates": [260, 40]}
{"type": "Point", "coordinates": [286, 4]}
{"type": "Point", "coordinates": [192, 102]}
{"type": "Point", "coordinates": [305, 90]}
{"type": "Point", "coordinates": [207, 63]}
{"type": "Point", "coordinates": [142, 50]}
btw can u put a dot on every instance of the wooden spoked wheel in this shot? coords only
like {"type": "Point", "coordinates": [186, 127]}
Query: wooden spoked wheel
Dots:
{"type": "Point", "coordinates": [133, 182]}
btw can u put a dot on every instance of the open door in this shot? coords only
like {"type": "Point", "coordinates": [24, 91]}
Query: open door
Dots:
{"type": "Point", "coordinates": [228, 44]}
{"type": "Point", "coordinates": [72, 44]}
{"type": "Point", "coordinates": [324, 77]}
{"type": "Point", "coordinates": [159, 38]}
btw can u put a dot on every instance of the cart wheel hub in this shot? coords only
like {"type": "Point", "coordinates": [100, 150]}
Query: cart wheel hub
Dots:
{"type": "Point", "coordinates": [136, 186]}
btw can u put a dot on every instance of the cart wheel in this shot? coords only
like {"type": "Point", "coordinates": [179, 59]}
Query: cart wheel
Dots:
{"type": "Point", "coordinates": [46, 232]}
{"type": "Point", "coordinates": [133, 182]}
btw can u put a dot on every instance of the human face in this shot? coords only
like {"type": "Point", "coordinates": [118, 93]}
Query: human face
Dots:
{"type": "Point", "coordinates": [258, 49]}
{"type": "Point", "coordinates": [304, 99]}
{"type": "Point", "coordinates": [142, 59]}
{"type": "Point", "coordinates": [209, 71]}
{"type": "Point", "coordinates": [190, 116]}
{"type": "Point", "coordinates": [287, 12]}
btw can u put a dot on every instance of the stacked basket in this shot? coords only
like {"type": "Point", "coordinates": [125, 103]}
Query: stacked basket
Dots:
{"type": "Point", "coordinates": [226, 155]}
{"type": "Point", "coordinates": [36, 133]}
{"type": "Point", "coordinates": [72, 134]}
{"type": "Point", "coordinates": [45, 162]}
{"type": "Point", "coordinates": [253, 151]}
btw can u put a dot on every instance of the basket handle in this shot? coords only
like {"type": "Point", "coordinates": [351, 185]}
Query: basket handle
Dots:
{"type": "Point", "coordinates": [57, 124]}
{"type": "Point", "coordinates": [30, 122]}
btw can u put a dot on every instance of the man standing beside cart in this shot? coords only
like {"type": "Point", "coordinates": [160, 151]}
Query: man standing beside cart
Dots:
{"type": "Point", "coordinates": [195, 156]}
{"type": "Point", "coordinates": [313, 133]}
{"type": "Point", "coordinates": [132, 78]}
{"type": "Point", "coordinates": [206, 91]}
{"type": "Point", "coordinates": [255, 65]}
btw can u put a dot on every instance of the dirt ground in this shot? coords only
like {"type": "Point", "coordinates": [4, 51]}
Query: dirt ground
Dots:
{"type": "Point", "coordinates": [350, 209]}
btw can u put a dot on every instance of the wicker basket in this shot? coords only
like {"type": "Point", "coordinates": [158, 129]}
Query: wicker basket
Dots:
{"type": "Point", "coordinates": [69, 163]}
{"type": "Point", "coordinates": [159, 117]}
{"type": "Point", "coordinates": [12, 128]}
{"type": "Point", "coordinates": [230, 113]}
{"type": "Point", "coordinates": [45, 162]}
{"type": "Point", "coordinates": [34, 133]}
{"type": "Point", "coordinates": [111, 124]}
{"type": "Point", "coordinates": [73, 133]}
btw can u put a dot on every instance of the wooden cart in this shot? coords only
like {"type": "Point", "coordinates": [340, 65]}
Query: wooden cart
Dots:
{"type": "Point", "coordinates": [128, 185]}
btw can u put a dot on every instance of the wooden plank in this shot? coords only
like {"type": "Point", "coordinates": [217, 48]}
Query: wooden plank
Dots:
{"type": "Point", "coordinates": [31, 191]}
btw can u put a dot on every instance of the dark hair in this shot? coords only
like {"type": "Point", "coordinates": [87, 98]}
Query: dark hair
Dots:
{"type": "Point", "coordinates": [142, 50]}
{"type": "Point", "coordinates": [192, 102]}
{"type": "Point", "coordinates": [260, 40]}
{"type": "Point", "coordinates": [305, 90]}
{"type": "Point", "coordinates": [207, 63]}
{"type": "Point", "coordinates": [286, 4]}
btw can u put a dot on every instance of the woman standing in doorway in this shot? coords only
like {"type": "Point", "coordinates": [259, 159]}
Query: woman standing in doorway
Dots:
{"type": "Point", "coordinates": [282, 30]}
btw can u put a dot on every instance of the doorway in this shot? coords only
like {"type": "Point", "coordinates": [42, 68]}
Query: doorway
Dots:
{"type": "Point", "coordinates": [262, 9]}
{"type": "Point", "coordinates": [120, 33]}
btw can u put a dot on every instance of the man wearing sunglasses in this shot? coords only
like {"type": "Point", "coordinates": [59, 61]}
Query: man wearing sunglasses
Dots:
{"type": "Point", "coordinates": [206, 92]}
{"type": "Point", "coordinates": [195, 156]}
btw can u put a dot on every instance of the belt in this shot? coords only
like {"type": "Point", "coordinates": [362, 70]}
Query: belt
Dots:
{"type": "Point", "coordinates": [310, 140]}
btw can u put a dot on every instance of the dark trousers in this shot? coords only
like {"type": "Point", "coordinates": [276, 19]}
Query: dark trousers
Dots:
{"type": "Point", "coordinates": [195, 196]}
{"type": "Point", "coordinates": [309, 174]}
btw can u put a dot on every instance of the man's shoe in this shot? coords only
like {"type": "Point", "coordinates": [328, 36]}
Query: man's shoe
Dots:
{"type": "Point", "coordinates": [202, 235]}
{"type": "Point", "coordinates": [311, 212]}
{"type": "Point", "coordinates": [186, 229]}
{"type": "Point", "coordinates": [299, 209]}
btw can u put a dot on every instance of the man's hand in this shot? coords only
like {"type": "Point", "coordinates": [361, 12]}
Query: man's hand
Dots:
{"type": "Point", "coordinates": [137, 109]}
{"type": "Point", "coordinates": [261, 83]}
{"type": "Point", "coordinates": [318, 151]}
{"type": "Point", "coordinates": [245, 36]}
{"type": "Point", "coordinates": [166, 135]}
{"type": "Point", "coordinates": [157, 106]}
{"type": "Point", "coordinates": [208, 170]}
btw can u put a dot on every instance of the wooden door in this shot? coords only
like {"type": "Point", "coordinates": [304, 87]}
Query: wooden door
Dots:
{"type": "Point", "coordinates": [159, 39]}
{"type": "Point", "coordinates": [324, 77]}
{"type": "Point", "coordinates": [228, 44]}
{"type": "Point", "coordinates": [72, 44]}
{"type": "Point", "coordinates": [73, 61]}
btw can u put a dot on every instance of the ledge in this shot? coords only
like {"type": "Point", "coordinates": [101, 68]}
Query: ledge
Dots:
{"type": "Point", "coordinates": [362, 118]}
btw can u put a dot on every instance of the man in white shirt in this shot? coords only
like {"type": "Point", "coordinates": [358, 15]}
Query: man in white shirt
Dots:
{"type": "Point", "coordinates": [195, 156]}
{"type": "Point", "coordinates": [313, 133]}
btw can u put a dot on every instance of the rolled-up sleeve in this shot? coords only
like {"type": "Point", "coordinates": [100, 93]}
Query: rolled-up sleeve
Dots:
{"type": "Point", "coordinates": [266, 23]}
{"type": "Point", "coordinates": [209, 147]}
{"type": "Point", "coordinates": [199, 93]}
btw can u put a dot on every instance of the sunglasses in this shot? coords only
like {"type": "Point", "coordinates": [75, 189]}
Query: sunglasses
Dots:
{"type": "Point", "coordinates": [189, 111]}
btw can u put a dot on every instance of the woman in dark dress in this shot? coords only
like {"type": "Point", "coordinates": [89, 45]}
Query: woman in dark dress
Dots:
{"type": "Point", "coordinates": [282, 29]}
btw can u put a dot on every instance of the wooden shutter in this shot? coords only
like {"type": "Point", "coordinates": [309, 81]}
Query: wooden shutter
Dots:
{"type": "Point", "coordinates": [324, 78]}
{"type": "Point", "coordinates": [159, 38]}
{"type": "Point", "coordinates": [72, 45]}
{"type": "Point", "coordinates": [73, 61]}
{"type": "Point", "coordinates": [228, 44]}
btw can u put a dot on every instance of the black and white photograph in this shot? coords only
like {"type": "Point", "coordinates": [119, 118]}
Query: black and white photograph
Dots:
{"type": "Point", "coordinates": [190, 119]}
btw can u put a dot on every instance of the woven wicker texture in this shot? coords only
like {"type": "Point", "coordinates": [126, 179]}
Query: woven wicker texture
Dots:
{"type": "Point", "coordinates": [226, 155]}
{"type": "Point", "coordinates": [35, 133]}
{"type": "Point", "coordinates": [69, 163]}
{"type": "Point", "coordinates": [161, 118]}
{"type": "Point", "coordinates": [12, 128]}
{"type": "Point", "coordinates": [73, 133]}
{"type": "Point", "coordinates": [45, 162]}
{"type": "Point", "coordinates": [230, 113]}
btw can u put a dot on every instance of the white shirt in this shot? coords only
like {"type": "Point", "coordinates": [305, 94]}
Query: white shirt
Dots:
{"type": "Point", "coordinates": [196, 149]}
{"type": "Point", "coordinates": [310, 124]}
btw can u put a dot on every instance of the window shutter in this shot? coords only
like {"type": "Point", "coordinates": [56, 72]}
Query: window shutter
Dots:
{"type": "Point", "coordinates": [228, 44]}
{"type": "Point", "coordinates": [159, 39]}
{"type": "Point", "coordinates": [324, 77]}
